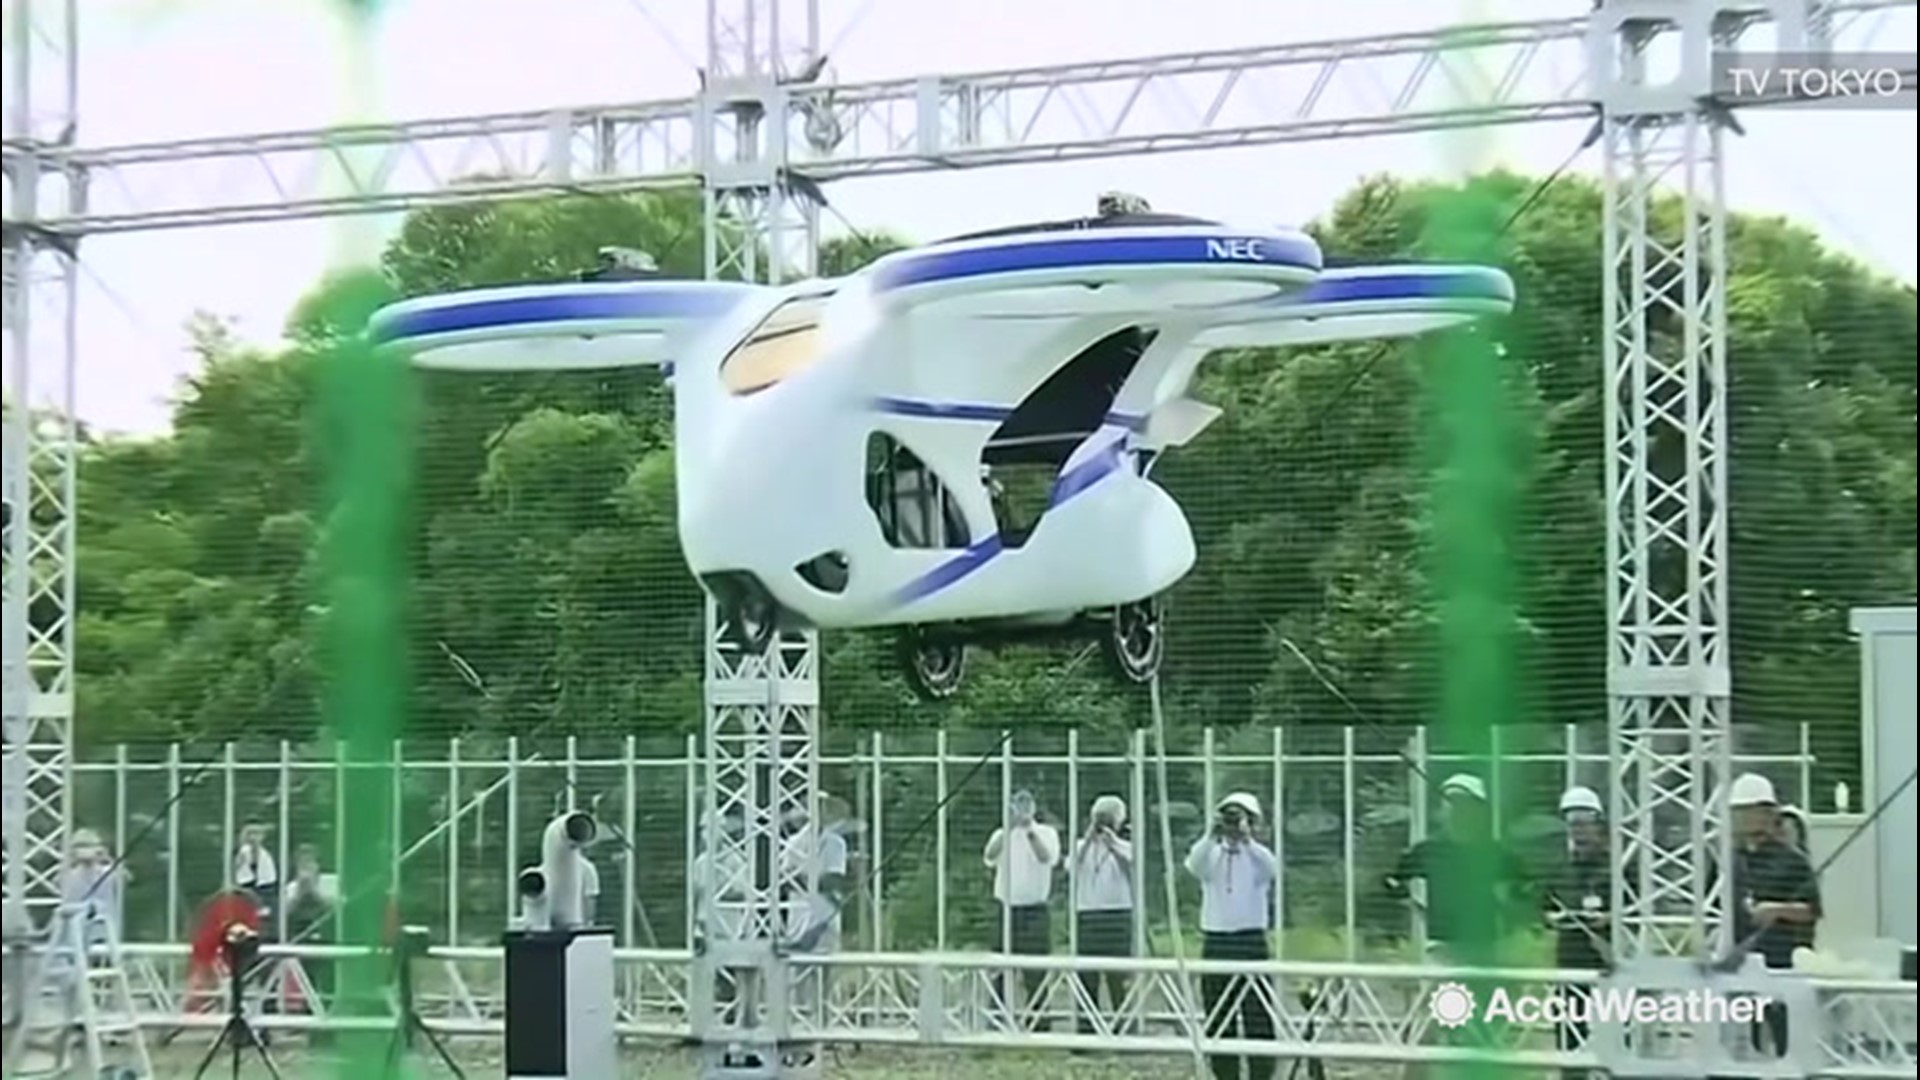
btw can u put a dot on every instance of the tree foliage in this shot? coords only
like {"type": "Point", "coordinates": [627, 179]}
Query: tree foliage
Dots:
{"type": "Point", "coordinates": [549, 593]}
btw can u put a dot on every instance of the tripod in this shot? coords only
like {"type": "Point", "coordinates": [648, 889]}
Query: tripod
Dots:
{"type": "Point", "coordinates": [242, 950]}
{"type": "Point", "coordinates": [1313, 1067]}
{"type": "Point", "coordinates": [411, 943]}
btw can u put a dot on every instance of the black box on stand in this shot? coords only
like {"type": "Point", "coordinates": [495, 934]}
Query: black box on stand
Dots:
{"type": "Point", "coordinates": [560, 1009]}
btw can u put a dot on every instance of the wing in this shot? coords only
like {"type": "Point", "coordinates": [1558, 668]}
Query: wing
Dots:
{"type": "Point", "coordinates": [555, 327]}
{"type": "Point", "coordinates": [1351, 303]}
{"type": "Point", "coordinates": [1125, 270]}
{"type": "Point", "coordinates": [1359, 303]}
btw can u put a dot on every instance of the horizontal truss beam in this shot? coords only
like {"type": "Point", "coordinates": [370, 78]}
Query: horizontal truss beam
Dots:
{"type": "Point", "coordinates": [1389, 84]}
{"type": "Point", "coordinates": [1354, 1012]}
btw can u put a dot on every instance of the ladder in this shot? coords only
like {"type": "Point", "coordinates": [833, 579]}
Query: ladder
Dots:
{"type": "Point", "coordinates": [78, 996]}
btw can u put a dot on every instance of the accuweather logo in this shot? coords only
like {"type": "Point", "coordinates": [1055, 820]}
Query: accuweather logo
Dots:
{"type": "Point", "coordinates": [1452, 1005]}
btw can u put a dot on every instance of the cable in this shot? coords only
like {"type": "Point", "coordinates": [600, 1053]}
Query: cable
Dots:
{"type": "Point", "coordinates": [1325, 412]}
{"type": "Point", "coordinates": [1169, 881]}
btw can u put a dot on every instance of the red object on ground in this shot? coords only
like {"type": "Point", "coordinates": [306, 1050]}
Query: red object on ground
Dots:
{"type": "Point", "coordinates": [206, 962]}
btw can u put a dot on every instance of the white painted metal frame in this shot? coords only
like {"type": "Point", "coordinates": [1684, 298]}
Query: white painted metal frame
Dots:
{"type": "Point", "coordinates": [41, 439]}
{"type": "Point", "coordinates": [1665, 346]}
{"type": "Point", "coordinates": [1666, 530]}
{"type": "Point", "coordinates": [1374, 1013]}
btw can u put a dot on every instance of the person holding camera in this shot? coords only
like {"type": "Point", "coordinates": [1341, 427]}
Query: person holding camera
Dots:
{"type": "Point", "coordinates": [1102, 876]}
{"type": "Point", "coordinates": [1236, 874]}
{"type": "Point", "coordinates": [1023, 855]}
{"type": "Point", "coordinates": [95, 880]}
{"type": "Point", "coordinates": [256, 873]}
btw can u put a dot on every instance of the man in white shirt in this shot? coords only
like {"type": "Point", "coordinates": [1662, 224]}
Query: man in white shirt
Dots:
{"type": "Point", "coordinates": [815, 927]}
{"type": "Point", "coordinates": [1236, 873]}
{"type": "Point", "coordinates": [718, 884]}
{"type": "Point", "coordinates": [1102, 873]}
{"type": "Point", "coordinates": [254, 871]}
{"type": "Point", "coordinates": [818, 923]}
{"type": "Point", "coordinates": [1023, 856]}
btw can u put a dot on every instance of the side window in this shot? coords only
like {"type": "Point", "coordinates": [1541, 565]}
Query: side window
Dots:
{"type": "Point", "coordinates": [915, 510]}
{"type": "Point", "coordinates": [783, 345]}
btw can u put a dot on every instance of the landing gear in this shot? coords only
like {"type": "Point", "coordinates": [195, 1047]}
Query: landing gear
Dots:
{"type": "Point", "coordinates": [1135, 640]}
{"type": "Point", "coordinates": [749, 615]}
{"type": "Point", "coordinates": [934, 666]}
{"type": "Point", "coordinates": [1131, 638]}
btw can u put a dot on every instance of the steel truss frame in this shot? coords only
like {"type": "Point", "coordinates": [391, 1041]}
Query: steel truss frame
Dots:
{"type": "Point", "coordinates": [762, 135]}
{"type": "Point", "coordinates": [1340, 1012]}
{"type": "Point", "coordinates": [41, 453]}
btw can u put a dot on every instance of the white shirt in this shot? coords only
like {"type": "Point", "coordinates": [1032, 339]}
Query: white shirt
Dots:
{"type": "Point", "coordinates": [1102, 875]}
{"type": "Point", "coordinates": [254, 868]}
{"type": "Point", "coordinates": [1236, 883]}
{"type": "Point", "coordinates": [730, 886]}
{"type": "Point", "coordinates": [832, 852]}
{"type": "Point", "coordinates": [1023, 877]}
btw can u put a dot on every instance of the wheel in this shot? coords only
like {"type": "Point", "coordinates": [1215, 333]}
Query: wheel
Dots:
{"type": "Point", "coordinates": [751, 617]}
{"type": "Point", "coordinates": [934, 667]}
{"type": "Point", "coordinates": [1135, 640]}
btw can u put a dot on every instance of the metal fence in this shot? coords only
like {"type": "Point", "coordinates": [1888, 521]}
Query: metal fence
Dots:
{"type": "Point", "coordinates": [922, 806]}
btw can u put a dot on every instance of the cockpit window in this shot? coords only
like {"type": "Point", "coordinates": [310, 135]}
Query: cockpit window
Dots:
{"type": "Point", "coordinates": [785, 343]}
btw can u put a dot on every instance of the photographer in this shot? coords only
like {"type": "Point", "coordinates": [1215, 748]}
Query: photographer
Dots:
{"type": "Point", "coordinates": [92, 878]}
{"type": "Point", "coordinates": [1023, 855]}
{"type": "Point", "coordinates": [1236, 873]}
{"type": "Point", "coordinates": [1102, 874]}
{"type": "Point", "coordinates": [255, 872]}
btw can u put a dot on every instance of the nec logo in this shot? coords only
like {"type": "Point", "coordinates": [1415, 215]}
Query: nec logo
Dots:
{"type": "Point", "coordinates": [1236, 250]}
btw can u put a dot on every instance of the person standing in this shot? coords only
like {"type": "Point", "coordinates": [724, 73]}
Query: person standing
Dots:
{"type": "Point", "coordinates": [1102, 876]}
{"type": "Point", "coordinates": [817, 849]}
{"type": "Point", "coordinates": [1578, 902]}
{"type": "Point", "coordinates": [1793, 830]}
{"type": "Point", "coordinates": [256, 873]}
{"type": "Point", "coordinates": [309, 905]}
{"type": "Point", "coordinates": [1474, 884]}
{"type": "Point", "coordinates": [1236, 874]}
{"type": "Point", "coordinates": [1776, 894]}
{"type": "Point", "coordinates": [93, 881]}
{"type": "Point", "coordinates": [1023, 856]}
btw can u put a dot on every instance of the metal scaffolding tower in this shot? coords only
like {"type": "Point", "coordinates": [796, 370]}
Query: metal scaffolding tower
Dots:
{"type": "Point", "coordinates": [763, 711]}
{"type": "Point", "coordinates": [764, 132]}
{"type": "Point", "coordinates": [41, 435]}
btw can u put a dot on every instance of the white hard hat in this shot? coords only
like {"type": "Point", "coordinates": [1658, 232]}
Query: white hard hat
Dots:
{"type": "Point", "coordinates": [1464, 784]}
{"type": "Point", "coordinates": [1111, 806]}
{"type": "Point", "coordinates": [1795, 813]}
{"type": "Point", "coordinates": [1751, 789]}
{"type": "Point", "coordinates": [1245, 801]}
{"type": "Point", "coordinates": [1581, 798]}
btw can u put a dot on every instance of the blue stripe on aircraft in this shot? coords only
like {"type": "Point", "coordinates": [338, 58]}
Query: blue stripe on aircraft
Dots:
{"type": "Point", "coordinates": [1108, 460]}
{"type": "Point", "coordinates": [452, 313]}
{"type": "Point", "coordinates": [1091, 470]}
{"type": "Point", "coordinates": [952, 571]}
{"type": "Point", "coordinates": [1455, 283]}
{"type": "Point", "coordinates": [1210, 248]}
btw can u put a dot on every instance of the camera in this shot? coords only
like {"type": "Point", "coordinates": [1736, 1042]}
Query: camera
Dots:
{"type": "Point", "coordinates": [413, 941]}
{"type": "Point", "coordinates": [553, 894]}
{"type": "Point", "coordinates": [241, 944]}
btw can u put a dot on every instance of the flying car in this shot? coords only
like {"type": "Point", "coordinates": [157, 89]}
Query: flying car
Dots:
{"type": "Point", "coordinates": [957, 441]}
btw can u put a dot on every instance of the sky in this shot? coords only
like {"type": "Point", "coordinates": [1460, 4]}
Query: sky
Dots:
{"type": "Point", "coordinates": [158, 69]}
